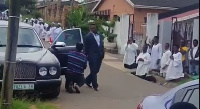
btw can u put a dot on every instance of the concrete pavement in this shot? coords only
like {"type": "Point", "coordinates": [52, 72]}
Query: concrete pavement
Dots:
{"type": "Point", "coordinates": [118, 90]}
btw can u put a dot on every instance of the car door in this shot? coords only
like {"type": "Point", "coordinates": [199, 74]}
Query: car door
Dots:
{"type": "Point", "coordinates": [70, 37]}
{"type": "Point", "coordinates": [189, 94]}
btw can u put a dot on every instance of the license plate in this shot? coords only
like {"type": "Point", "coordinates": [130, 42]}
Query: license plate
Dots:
{"type": "Point", "coordinates": [23, 87]}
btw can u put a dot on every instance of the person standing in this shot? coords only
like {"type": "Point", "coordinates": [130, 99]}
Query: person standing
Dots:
{"type": "Point", "coordinates": [144, 61]}
{"type": "Point", "coordinates": [165, 58]}
{"type": "Point", "coordinates": [194, 59]}
{"type": "Point", "coordinates": [156, 54]}
{"type": "Point", "coordinates": [36, 26]}
{"type": "Point", "coordinates": [94, 48]}
{"type": "Point", "coordinates": [183, 49]}
{"type": "Point", "coordinates": [130, 54]}
{"type": "Point", "coordinates": [175, 67]}
{"type": "Point", "coordinates": [51, 31]}
{"type": "Point", "coordinates": [57, 31]}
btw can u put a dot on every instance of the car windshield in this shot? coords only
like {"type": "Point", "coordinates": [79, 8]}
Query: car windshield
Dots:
{"type": "Point", "coordinates": [27, 38]}
{"type": "Point", "coordinates": [70, 37]}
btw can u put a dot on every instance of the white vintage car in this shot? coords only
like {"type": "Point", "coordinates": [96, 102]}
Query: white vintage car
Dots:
{"type": "Point", "coordinates": [188, 92]}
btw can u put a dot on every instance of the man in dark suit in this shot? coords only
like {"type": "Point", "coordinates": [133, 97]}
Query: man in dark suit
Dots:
{"type": "Point", "coordinates": [94, 48]}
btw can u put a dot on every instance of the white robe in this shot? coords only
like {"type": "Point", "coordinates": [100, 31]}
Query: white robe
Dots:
{"type": "Point", "coordinates": [41, 31]}
{"type": "Point", "coordinates": [164, 60]}
{"type": "Point", "coordinates": [130, 53]}
{"type": "Point", "coordinates": [37, 28]}
{"type": "Point", "coordinates": [175, 69]}
{"type": "Point", "coordinates": [143, 66]}
{"type": "Point", "coordinates": [56, 32]}
{"type": "Point", "coordinates": [156, 53]}
{"type": "Point", "coordinates": [51, 31]}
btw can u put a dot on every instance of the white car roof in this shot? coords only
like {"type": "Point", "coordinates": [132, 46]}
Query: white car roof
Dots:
{"type": "Point", "coordinates": [21, 24]}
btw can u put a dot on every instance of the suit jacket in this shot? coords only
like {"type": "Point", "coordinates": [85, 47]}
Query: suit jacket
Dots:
{"type": "Point", "coordinates": [92, 49]}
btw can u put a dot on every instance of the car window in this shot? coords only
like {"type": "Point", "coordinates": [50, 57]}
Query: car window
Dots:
{"type": "Point", "coordinates": [178, 96]}
{"type": "Point", "coordinates": [70, 37]}
{"type": "Point", "coordinates": [194, 99]}
{"type": "Point", "coordinates": [26, 37]}
{"type": "Point", "coordinates": [187, 96]}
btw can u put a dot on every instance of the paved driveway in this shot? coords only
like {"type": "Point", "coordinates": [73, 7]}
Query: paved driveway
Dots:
{"type": "Point", "coordinates": [118, 90]}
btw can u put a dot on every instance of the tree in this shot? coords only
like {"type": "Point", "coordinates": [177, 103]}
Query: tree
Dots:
{"type": "Point", "coordinates": [24, 3]}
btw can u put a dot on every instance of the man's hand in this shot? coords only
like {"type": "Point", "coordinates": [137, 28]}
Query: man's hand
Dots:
{"type": "Point", "coordinates": [158, 62]}
{"type": "Point", "coordinates": [172, 57]}
{"type": "Point", "coordinates": [140, 59]}
{"type": "Point", "coordinates": [164, 67]}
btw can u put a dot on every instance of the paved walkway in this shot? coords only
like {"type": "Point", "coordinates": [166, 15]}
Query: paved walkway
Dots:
{"type": "Point", "coordinates": [118, 90]}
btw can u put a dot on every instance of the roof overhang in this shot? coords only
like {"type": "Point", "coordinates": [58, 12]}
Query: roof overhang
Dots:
{"type": "Point", "coordinates": [184, 16]}
{"type": "Point", "coordinates": [154, 7]}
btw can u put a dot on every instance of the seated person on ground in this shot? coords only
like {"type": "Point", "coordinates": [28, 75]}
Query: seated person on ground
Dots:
{"type": "Point", "coordinates": [77, 63]}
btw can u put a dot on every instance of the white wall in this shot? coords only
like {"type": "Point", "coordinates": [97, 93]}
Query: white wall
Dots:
{"type": "Point", "coordinates": [121, 29]}
{"type": "Point", "coordinates": [196, 29]}
{"type": "Point", "coordinates": [165, 32]}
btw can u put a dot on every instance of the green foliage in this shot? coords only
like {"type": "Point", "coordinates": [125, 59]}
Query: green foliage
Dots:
{"type": "Point", "coordinates": [80, 18]}
{"type": "Point", "coordinates": [24, 3]}
{"type": "Point", "coordinates": [37, 14]}
{"type": "Point", "coordinates": [27, 104]}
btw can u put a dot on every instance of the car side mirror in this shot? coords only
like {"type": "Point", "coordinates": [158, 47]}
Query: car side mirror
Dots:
{"type": "Point", "coordinates": [59, 44]}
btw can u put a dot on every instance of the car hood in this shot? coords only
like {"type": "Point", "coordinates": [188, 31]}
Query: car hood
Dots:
{"type": "Point", "coordinates": [34, 57]}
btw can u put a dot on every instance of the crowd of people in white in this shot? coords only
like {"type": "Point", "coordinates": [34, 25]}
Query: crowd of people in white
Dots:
{"type": "Point", "coordinates": [169, 63]}
{"type": "Point", "coordinates": [45, 31]}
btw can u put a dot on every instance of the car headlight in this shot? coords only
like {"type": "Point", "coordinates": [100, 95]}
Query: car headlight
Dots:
{"type": "Point", "coordinates": [53, 70]}
{"type": "Point", "coordinates": [43, 71]}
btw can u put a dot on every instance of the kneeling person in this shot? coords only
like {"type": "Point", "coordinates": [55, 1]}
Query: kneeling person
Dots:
{"type": "Point", "coordinates": [77, 63]}
{"type": "Point", "coordinates": [144, 61]}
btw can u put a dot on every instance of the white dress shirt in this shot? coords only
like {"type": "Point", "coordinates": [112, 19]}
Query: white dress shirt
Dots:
{"type": "Point", "coordinates": [194, 53]}
{"type": "Point", "coordinates": [97, 38]}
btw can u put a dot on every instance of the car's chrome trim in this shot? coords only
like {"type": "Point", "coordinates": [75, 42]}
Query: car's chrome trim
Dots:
{"type": "Point", "coordinates": [36, 81]}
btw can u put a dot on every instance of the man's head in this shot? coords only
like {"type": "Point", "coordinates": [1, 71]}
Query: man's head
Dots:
{"type": "Point", "coordinates": [182, 43]}
{"type": "Point", "coordinates": [156, 39]}
{"type": "Point", "coordinates": [93, 28]}
{"type": "Point", "coordinates": [79, 47]}
{"type": "Point", "coordinates": [52, 24]}
{"type": "Point", "coordinates": [58, 25]}
{"type": "Point", "coordinates": [130, 40]}
{"type": "Point", "coordinates": [166, 46]}
{"type": "Point", "coordinates": [175, 48]}
{"type": "Point", "coordinates": [195, 42]}
{"type": "Point", "coordinates": [145, 47]}
{"type": "Point", "coordinates": [183, 105]}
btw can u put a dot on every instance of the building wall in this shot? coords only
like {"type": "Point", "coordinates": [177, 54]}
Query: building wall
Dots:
{"type": "Point", "coordinates": [117, 7]}
{"type": "Point", "coordinates": [140, 15]}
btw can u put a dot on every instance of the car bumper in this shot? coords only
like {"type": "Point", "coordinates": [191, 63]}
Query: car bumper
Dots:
{"type": "Point", "coordinates": [41, 86]}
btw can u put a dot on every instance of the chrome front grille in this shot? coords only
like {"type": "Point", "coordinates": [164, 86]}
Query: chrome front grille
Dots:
{"type": "Point", "coordinates": [25, 71]}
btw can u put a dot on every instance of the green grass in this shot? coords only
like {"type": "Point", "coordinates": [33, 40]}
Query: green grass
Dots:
{"type": "Point", "coordinates": [182, 81]}
{"type": "Point", "coordinates": [29, 16]}
{"type": "Point", "coordinates": [26, 104]}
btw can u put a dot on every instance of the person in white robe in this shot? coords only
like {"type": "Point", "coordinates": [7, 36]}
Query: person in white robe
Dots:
{"type": "Point", "coordinates": [52, 28]}
{"type": "Point", "coordinates": [165, 58]}
{"type": "Point", "coordinates": [57, 31]}
{"type": "Point", "coordinates": [36, 26]}
{"type": "Point", "coordinates": [175, 67]}
{"type": "Point", "coordinates": [130, 53]}
{"type": "Point", "coordinates": [144, 61]}
{"type": "Point", "coordinates": [42, 30]}
{"type": "Point", "coordinates": [156, 54]}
